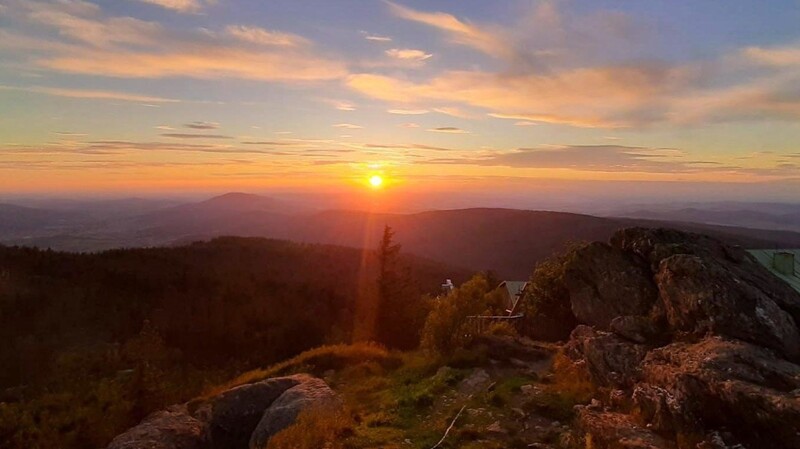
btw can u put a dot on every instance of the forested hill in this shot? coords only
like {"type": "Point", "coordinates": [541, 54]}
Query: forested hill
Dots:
{"type": "Point", "coordinates": [71, 323]}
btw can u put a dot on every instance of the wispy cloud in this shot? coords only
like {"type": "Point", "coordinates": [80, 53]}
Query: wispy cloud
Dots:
{"type": "Point", "coordinates": [184, 6]}
{"type": "Point", "coordinates": [90, 94]}
{"type": "Point", "coordinates": [459, 31]}
{"type": "Point", "coordinates": [407, 54]}
{"type": "Point", "coordinates": [598, 158]}
{"type": "Point", "coordinates": [408, 111]}
{"type": "Point", "coordinates": [195, 136]}
{"type": "Point", "coordinates": [376, 37]}
{"type": "Point", "coordinates": [347, 126]}
{"type": "Point", "coordinates": [453, 112]}
{"type": "Point", "coordinates": [125, 47]}
{"type": "Point", "coordinates": [449, 130]}
{"type": "Point", "coordinates": [202, 125]}
{"type": "Point", "coordinates": [261, 36]}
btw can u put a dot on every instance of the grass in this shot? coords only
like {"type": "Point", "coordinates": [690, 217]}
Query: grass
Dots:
{"type": "Point", "coordinates": [316, 361]}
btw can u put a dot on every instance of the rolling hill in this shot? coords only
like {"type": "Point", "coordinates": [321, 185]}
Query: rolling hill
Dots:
{"type": "Point", "coordinates": [508, 241]}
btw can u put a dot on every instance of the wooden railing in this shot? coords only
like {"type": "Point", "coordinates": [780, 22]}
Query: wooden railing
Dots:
{"type": "Point", "coordinates": [479, 324]}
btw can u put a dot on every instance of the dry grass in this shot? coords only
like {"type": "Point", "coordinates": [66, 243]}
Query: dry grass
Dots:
{"type": "Point", "coordinates": [316, 361]}
{"type": "Point", "coordinates": [315, 428]}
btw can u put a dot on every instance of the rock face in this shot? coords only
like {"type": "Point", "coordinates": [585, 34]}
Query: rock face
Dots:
{"type": "Point", "coordinates": [702, 340]}
{"type": "Point", "coordinates": [283, 412]}
{"type": "Point", "coordinates": [604, 282]}
{"type": "Point", "coordinates": [611, 360]}
{"type": "Point", "coordinates": [169, 429]}
{"type": "Point", "coordinates": [236, 412]}
{"type": "Point", "coordinates": [233, 419]}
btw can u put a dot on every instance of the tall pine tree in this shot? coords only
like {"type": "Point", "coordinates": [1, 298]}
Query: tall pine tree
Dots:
{"type": "Point", "coordinates": [401, 310]}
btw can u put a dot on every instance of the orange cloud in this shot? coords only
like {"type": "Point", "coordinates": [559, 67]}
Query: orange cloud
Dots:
{"type": "Point", "coordinates": [91, 94]}
{"type": "Point", "coordinates": [178, 5]}
{"type": "Point", "coordinates": [459, 31]}
{"type": "Point", "coordinates": [589, 97]}
{"type": "Point", "coordinates": [131, 48]}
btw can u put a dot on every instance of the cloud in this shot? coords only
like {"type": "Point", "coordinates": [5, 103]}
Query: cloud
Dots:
{"type": "Point", "coordinates": [347, 126]}
{"type": "Point", "coordinates": [407, 54]}
{"type": "Point", "coordinates": [597, 158]}
{"type": "Point", "coordinates": [408, 125]}
{"type": "Point", "coordinates": [266, 37]}
{"type": "Point", "coordinates": [125, 47]}
{"type": "Point", "coordinates": [70, 134]}
{"type": "Point", "coordinates": [90, 94]}
{"type": "Point", "coordinates": [195, 136]}
{"type": "Point", "coordinates": [449, 130]}
{"type": "Point", "coordinates": [778, 56]}
{"type": "Point", "coordinates": [453, 112]}
{"type": "Point", "coordinates": [611, 96]}
{"type": "Point", "coordinates": [377, 38]}
{"type": "Point", "coordinates": [202, 125]}
{"type": "Point", "coordinates": [341, 105]}
{"type": "Point", "coordinates": [459, 32]}
{"type": "Point", "coordinates": [408, 111]}
{"type": "Point", "coordinates": [184, 6]}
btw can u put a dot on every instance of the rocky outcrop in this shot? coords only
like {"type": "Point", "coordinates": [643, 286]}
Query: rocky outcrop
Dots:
{"type": "Point", "coordinates": [168, 429]}
{"type": "Point", "coordinates": [721, 383]}
{"type": "Point", "coordinates": [611, 360]}
{"type": "Point", "coordinates": [610, 430]}
{"type": "Point", "coordinates": [234, 419]}
{"type": "Point", "coordinates": [283, 412]}
{"type": "Point", "coordinates": [711, 361]}
{"type": "Point", "coordinates": [700, 296]}
{"type": "Point", "coordinates": [236, 412]}
{"type": "Point", "coordinates": [604, 282]}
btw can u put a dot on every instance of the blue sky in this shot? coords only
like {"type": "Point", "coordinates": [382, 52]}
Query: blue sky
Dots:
{"type": "Point", "coordinates": [475, 96]}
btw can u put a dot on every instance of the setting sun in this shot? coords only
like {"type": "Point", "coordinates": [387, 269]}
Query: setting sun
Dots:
{"type": "Point", "coordinates": [376, 181]}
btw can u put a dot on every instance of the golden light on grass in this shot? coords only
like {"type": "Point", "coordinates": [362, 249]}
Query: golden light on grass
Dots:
{"type": "Point", "coordinates": [375, 181]}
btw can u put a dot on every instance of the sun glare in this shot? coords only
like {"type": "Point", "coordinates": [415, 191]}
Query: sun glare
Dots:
{"type": "Point", "coordinates": [375, 181]}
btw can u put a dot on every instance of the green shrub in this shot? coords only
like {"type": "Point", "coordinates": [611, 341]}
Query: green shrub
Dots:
{"type": "Point", "coordinates": [546, 304]}
{"type": "Point", "coordinates": [447, 325]}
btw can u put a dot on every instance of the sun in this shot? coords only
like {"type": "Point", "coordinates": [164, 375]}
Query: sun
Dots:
{"type": "Point", "coordinates": [375, 181]}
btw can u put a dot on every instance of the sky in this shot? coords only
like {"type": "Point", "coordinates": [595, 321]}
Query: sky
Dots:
{"type": "Point", "coordinates": [547, 98]}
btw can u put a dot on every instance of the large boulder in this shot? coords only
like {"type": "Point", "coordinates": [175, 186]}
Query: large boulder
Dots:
{"type": "Point", "coordinates": [655, 245]}
{"type": "Point", "coordinates": [721, 384]}
{"type": "Point", "coordinates": [701, 296]}
{"type": "Point", "coordinates": [611, 360]}
{"type": "Point", "coordinates": [311, 392]}
{"type": "Point", "coordinates": [604, 282]}
{"type": "Point", "coordinates": [168, 429]}
{"type": "Point", "coordinates": [236, 412]}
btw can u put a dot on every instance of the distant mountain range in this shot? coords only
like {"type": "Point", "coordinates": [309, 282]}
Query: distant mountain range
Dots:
{"type": "Point", "coordinates": [506, 240]}
{"type": "Point", "coordinates": [751, 215]}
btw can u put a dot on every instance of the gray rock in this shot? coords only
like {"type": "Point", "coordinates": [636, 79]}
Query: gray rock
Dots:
{"type": "Point", "coordinates": [719, 383]}
{"type": "Point", "coordinates": [604, 282]}
{"type": "Point", "coordinates": [169, 429]}
{"type": "Point", "coordinates": [639, 329]}
{"type": "Point", "coordinates": [610, 360]}
{"type": "Point", "coordinates": [655, 245]}
{"type": "Point", "coordinates": [310, 392]}
{"type": "Point", "coordinates": [701, 296]}
{"type": "Point", "coordinates": [476, 382]}
{"type": "Point", "coordinates": [611, 430]}
{"type": "Point", "coordinates": [236, 412]}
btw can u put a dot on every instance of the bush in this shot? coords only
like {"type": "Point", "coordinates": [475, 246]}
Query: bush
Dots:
{"type": "Point", "coordinates": [447, 325]}
{"type": "Point", "coordinates": [546, 304]}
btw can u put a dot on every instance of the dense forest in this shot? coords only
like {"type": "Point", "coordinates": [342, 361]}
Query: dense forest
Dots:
{"type": "Point", "coordinates": [93, 342]}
